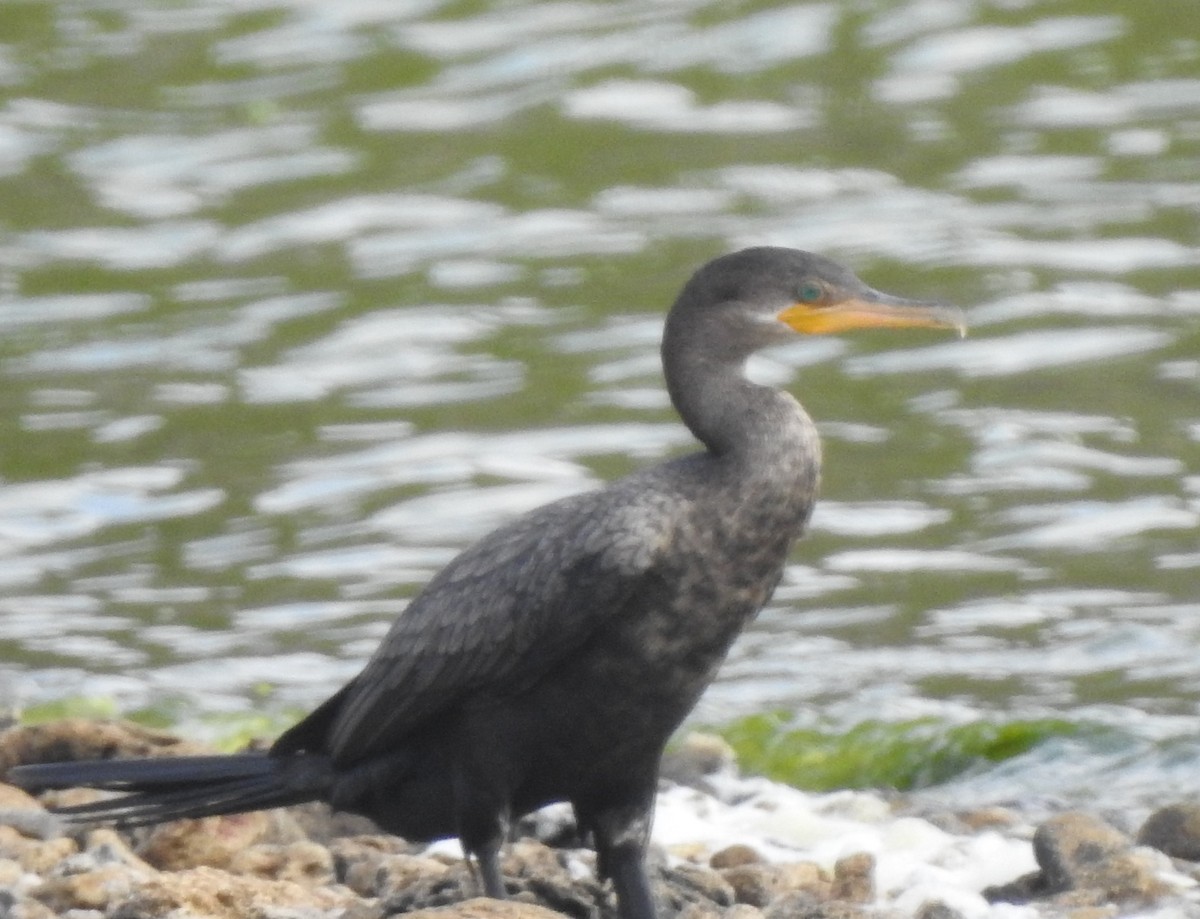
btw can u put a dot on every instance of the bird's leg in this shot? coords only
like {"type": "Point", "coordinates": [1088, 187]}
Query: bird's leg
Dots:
{"type": "Point", "coordinates": [482, 839]}
{"type": "Point", "coordinates": [622, 834]}
{"type": "Point", "coordinates": [488, 857]}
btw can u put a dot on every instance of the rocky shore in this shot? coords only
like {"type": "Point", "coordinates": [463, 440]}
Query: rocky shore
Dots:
{"type": "Point", "coordinates": [727, 846]}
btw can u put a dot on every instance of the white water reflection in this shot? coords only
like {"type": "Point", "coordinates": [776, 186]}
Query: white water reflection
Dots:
{"type": "Point", "coordinates": [283, 331]}
{"type": "Point", "coordinates": [1018, 353]}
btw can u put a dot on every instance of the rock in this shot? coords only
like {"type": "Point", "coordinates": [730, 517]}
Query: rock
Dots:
{"type": "Point", "coordinates": [318, 822]}
{"type": "Point", "coordinates": [805, 877]}
{"type": "Point", "coordinates": [535, 873]}
{"type": "Point", "coordinates": [936, 909]}
{"type": "Point", "coordinates": [1070, 847]}
{"type": "Point", "coordinates": [753, 884]}
{"type": "Point", "coordinates": [806, 906]}
{"type": "Point", "coordinates": [759, 884]}
{"type": "Point", "coordinates": [303, 862]}
{"type": "Point", "coordinates": [735, 856]}
{"type": "Point", "coordinates": [76, 738]}
{"type": "Point", "coordinates": [14, 798]}
{"type": "Point", "coordinates": [209, 842]}
{"type": "Point", "coordinates": [988, 818]}
{"type": "Point", "coordinates": [216, 894]}
{"type": "Point", "coordinates": [695, 758]}
{"type": "Point", "coordinates": [396, 874]}
{"type": "Point", "coordinates": [35, 855]}
{"type": "Point", "coordinates": [854, 878]}
{"type": "Point", "coordinates": [96, 889]}
{"type": "Point", "coordinates": [742, 911]}
{"type": "Point", "coordinates": [359, 861]}
{"type": "Point", "coordinates": [1084, 862]}
{"type": "Point", "coordinates": [1175, 830]}
{"type": "Point", "coordinates": [1020, 890]}
{"type": "Point", "coordinates": [414, 888]}
{"type": "Point", "coordinates": [698, 887]}
{"type": "Point", "coordinates": [35, 822]}
{"type": "Point", "coordinates": [11, 874]}
{"type": "Point", "coordinates": [484, 908]}
{"type": "Point", "coordinates": [28, 909]}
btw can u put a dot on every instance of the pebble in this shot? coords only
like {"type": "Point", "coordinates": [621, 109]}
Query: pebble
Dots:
{"type": "Point", "coordinates": [1175, 830]}
{"type": "Point", "coordinates": [726, 847]}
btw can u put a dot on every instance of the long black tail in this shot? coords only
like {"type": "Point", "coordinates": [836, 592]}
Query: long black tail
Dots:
{"type": "Point", "coordinates": [168, 788]}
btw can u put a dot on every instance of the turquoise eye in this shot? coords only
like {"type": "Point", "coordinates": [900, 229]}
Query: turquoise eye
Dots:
{"type": "Point", "coordinates": [811, 292]}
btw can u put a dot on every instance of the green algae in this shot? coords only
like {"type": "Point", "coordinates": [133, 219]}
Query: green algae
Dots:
{"type": "Point", "coordinates": [902, 755]}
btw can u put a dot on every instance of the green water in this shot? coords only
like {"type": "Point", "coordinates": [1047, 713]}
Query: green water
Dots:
{"type": "Point", "coordinates": [296, 300]}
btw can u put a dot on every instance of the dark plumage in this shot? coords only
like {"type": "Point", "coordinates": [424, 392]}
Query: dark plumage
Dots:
{"type": "Point", "coordinates": [551, 660]}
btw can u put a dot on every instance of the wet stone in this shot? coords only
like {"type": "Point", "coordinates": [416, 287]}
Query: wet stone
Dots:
{"type": "Point", "coordinates": [1175, 830]}
{"type": "Point", "coordinates": [735, 856]}
{"type": "Point", "coordinates": [693, 886]}
{"type": "Point", "coordinates": [753, 884]}
{"type": "Point", "coordinates": [805, 877]}
{"type": "Point", "coordinates": [1085, 862]}
{"type": "Point", "coordinates": [806, 906]}
{"type": "Point", "coordinates": [695, 758]}
{"type": "Point", "coordinates": [936, 909]}
{"type": "Point", "coordinates": [854, 878]}
{"type": "Point", "coordinates": [1071, 847]}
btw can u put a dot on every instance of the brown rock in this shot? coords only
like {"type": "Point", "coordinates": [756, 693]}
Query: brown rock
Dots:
{"type": "Point", "coordinates": [742, 911]}
{"type": "Point", "coordinates": [754, 884]}
{"type": "Point", "coordinates": [77, 738]}
{"type": "Point", "coordinates": [699, 911]}
{"type": "Point", "coordinates": [12, 797]}
{"type": "Point", "coordinates": [1076, 851]}
{"type": "Point", "coordinates": [805, 877]}
{"type": "Point", "coordinates": [854, 878]}
{"type": "Point", "coordinates": [302, 862]}
{"type": "Point", "coordinates": [806, 906]}
{"type": "Point", "coordinates": [735, 856]}
{"type": "Point", "coordinates": [97, 889]}
{"type": "Point", "coordinates": [11, 873]}
{"type": "Point", "coordinates": [702, 888]}
{"type": "Point", "coordinates": [209, 841]}
{"type": "Point", "coordinates": [1071, 846]}
{"type": "Point", "coordinates": [398, 873]}
{"type": "Point", "coordinates": [484, 908]}
{"type": "Point", "coordinates": [36, 856]}
{"type": "Point", "coordinates": [217, 894]}
{"type": "Point", "coordinates": [1084, 862]}
{"type": "Point", "coordinates": [988, 818]}
{"type": "Point", "coordinates": [108, 847]}
{"type": "Point", "coordinates": [936, 909]}
{"type": "Point", "coordinates": [760, 884]}
{"type": "Point", "coordinates": [1175, 830]}
{"type": "Point", "coordinates": [31, 909]}
{"type": "Point", "coordinates": [1020, 890]}
{"type": "Point", "coordinates": [1108, 911]}
{"type": "Point", "coordinates": [696, 757]}
{"type": "Point", "coordinates": [359, 861]}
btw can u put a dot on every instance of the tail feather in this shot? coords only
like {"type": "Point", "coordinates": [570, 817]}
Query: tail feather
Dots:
{"type": "Point", "coordinates": [142, 773]}
{"type": "Point", "coordinates": [161, 789]}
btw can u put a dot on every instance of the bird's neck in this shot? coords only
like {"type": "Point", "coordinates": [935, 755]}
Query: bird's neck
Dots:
{"type": "Point", "coordinates": [743, 424]}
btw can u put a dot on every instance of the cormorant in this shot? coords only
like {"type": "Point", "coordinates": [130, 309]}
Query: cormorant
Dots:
{"type": "Point", "coordinates": [551, 660]}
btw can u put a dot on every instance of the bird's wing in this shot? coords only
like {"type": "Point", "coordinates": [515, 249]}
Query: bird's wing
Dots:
{"type": "Point", "coordinates": [500, 615]}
